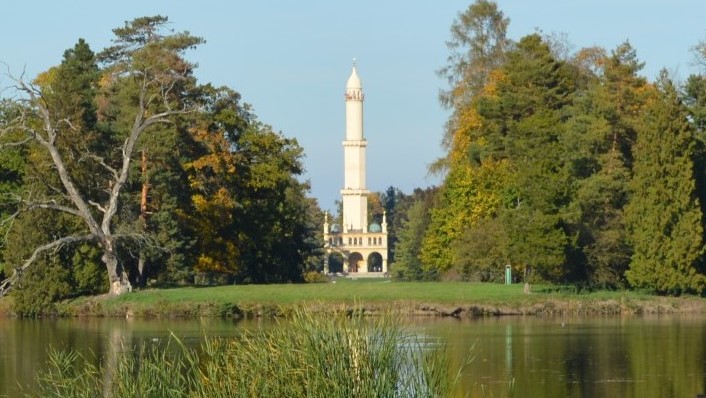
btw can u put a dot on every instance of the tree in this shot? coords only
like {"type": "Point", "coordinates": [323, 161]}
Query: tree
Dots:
{"type": "Point", "coordinates": [664, 215]}
{"type": "Point", "coordinates": [695, 100]}
{"type": "Point", "coordinates": [375, 207]}
{"type": "Point", "coordinates": [13, 167]}
{"type": "Point", "coordinates": [477, 48]}
{"type": "Point", "coordinates": [482, 251]}
{"type": "Point", "coordinates": [407, 265]}
{"type": "Point", "coordinates": [600, 135]}
{"type": "Point", "coordinates": [524, 123]}
{"type": "Point", "coordinates": [143, 60]}
{"type": "Point", "coordinates": [469, 195]}
{"type": "Point", "coordinates": [395, 203]}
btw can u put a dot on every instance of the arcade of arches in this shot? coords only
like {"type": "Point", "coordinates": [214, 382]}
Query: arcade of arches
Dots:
{"type": "Point", "coordinates": [355, 263]}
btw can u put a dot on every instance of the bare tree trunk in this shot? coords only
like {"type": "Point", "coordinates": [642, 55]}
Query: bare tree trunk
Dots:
{"type": "Point", "coordinates": [117, 276]}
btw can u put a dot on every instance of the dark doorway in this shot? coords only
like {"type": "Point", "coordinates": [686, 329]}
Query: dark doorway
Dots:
{"type": "Point", "coordinates": [335, 263]}
{"type": "Point", "coordinates": [375, 262]}
{"type": "Point", "coordinates": [353, 261]}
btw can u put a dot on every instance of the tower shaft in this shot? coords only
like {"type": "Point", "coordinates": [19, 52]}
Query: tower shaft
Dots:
{"type": "Point", "coordinates": [354, 192]}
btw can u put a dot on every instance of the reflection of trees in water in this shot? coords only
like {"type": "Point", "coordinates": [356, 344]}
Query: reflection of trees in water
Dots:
{"type": "Point", "coordinates": [117, 344]}
{"type": "Point", "coordinates": [579, 356]}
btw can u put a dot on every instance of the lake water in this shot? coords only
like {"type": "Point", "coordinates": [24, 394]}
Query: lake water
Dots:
{"type": "Point", "coordinates": [640, 357]}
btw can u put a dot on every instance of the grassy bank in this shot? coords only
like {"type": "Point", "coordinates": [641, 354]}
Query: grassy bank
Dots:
{"type": "Point", "coordinates": [410, 298]}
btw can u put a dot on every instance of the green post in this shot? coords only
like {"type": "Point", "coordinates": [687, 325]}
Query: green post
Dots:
{"type": "Point", "coordinates": [508, 275]}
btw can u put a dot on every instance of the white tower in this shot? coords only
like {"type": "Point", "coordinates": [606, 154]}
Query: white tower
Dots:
{"type": "Point", "coordinates": [363, 246]}
{"type": "Point", "coordinates": [354, 194]}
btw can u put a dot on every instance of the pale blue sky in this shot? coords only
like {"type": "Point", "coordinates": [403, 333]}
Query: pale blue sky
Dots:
{"type": "Point", "coordinates": [291, 59]}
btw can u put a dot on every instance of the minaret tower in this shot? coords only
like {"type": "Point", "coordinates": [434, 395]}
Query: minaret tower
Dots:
{"type": "Point", "coordinates": [355, 196]}
{"type": "Point", "coordinates": [363, 246]}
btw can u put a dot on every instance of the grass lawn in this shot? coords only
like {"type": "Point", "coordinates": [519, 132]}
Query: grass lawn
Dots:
{"type": "Point", "coordinates": [342, 291]}
{"type": "Point", "coordinates": [371, 294]}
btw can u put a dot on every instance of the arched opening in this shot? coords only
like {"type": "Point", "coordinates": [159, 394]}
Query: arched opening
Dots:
{"type": "Point", "coordinates": [353, 261]}
{"type": "Point", "coordinates": [375, 262]}
{"type": "Point", "coordinates": [335, 263]}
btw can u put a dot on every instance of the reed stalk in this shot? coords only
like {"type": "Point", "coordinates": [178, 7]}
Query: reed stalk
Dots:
{"type": "Point", "coordinates": [304, 356]}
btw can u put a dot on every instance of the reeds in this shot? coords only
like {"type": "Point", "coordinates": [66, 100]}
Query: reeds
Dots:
{"type": "Point", "coordinates": [303, 356]}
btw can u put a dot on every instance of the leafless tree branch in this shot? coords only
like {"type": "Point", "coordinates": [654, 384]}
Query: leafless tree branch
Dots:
{"type": "Point", "coordinates": [100, 161]}
{"type": "Point", "coordinates": [15, 144]}
{"type": "Point", "coordinates": [97, 206]}
{"type": "Point", "coordinates": [52, 205]}
{"type": "Point", "coordinates": [6, 223]}
{"type": "Point", "coordinates": [6, 285]}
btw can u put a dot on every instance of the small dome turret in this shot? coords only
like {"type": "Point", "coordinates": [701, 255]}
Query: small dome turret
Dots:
{"type": "Point", "coordinates": [375, 227]}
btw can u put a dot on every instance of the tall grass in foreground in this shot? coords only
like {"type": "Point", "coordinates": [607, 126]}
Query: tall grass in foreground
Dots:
{"type": "Point", "coordinates": [305, 356]}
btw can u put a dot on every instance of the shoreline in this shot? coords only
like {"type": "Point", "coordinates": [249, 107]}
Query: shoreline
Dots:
{"type": "Point", "coordinates": [430, 299]}
{"type": "Point", "coordinates": [95, 307]}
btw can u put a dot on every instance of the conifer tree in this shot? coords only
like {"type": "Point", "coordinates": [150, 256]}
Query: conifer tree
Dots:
{"type": "Point", "coordinates": [664, 215]}
{"type": "Point", "coordinates": [600, 135]}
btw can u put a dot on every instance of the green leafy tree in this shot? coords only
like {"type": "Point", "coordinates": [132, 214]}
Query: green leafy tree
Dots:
{"type": "Point", "coordinates": [524, 123]}
{"type": "Point", "coordinates": [664, 215]}
{"type": "Point", "coordinates": [407, 264]}
{"type": "Point", "coordinates": [13, 167]}
{"type": "Point", "coordinates": [600, 135]}
{"type": "Point", "coordinates": [482, 251]}
{"type": "Point", "coordinates": [272, 211]}
{"type": "Point", "coordinates": [469, 194]}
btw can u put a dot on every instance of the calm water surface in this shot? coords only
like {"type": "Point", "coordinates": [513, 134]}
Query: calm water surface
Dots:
{"type": "Point", "coordinates": [654, 357]}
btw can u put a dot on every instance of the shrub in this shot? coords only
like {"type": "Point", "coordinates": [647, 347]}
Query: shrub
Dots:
{"type": "Point", "coordinates": [315, 277]}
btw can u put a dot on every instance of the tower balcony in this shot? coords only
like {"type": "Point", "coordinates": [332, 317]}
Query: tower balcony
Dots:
{"type": "Point", "coordinates": [355, 191]}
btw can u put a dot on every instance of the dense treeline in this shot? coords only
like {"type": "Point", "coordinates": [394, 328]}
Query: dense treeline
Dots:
{"type": "Point", "coordinates": [122, 162]}
{"type": "Point", "coordinates": [571, 168]}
